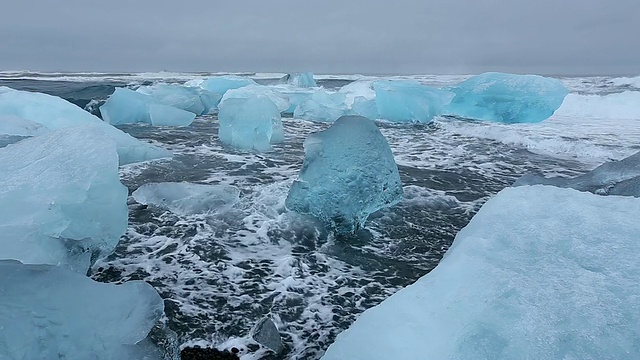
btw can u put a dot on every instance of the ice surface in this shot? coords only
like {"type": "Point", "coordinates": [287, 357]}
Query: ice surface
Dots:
{"type": "Point", "coordinates": [304, 80]}
{"type": "Point", "coordinates": [187, 198]}
{"type": "Point", "coordinates": [409, 101]}
{"type": "Point", "coordinates": [15, 126]}
{"type": "Point", "coordinates": [61, 198]}
{"type": "Point", "coordinates": [192, 99]}
{"type": "Point", "coordinates": [348, 173]}
{"type": "Point", "coordinates": [222, 84]}
{"type": "Point", "coordinates": [126, 106]}
{"type": "Point", "coordinates": [271, 93]}
{"type": "Point", "coordinates": [604, 179]}
{"type": "Point", "coordinates": [539, 273]}
{"type": "Point", "coordinates": [56, 113]}
{"type": "Point", "coordinates": [251, 123]}
{"type": "Point", "coordinates": [48, 312]}
{"type": "Point", "coordinates": [612, 106]}
{"type": "Point", "coordinates": [296, 97]}
{"type": "Point", "coordinates": [322, 106]}
{"type": "Point", "coordinates": [507, 98]}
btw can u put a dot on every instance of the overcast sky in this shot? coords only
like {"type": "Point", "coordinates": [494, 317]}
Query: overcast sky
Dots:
{"type": "Point", "coordinates": [323, 36]}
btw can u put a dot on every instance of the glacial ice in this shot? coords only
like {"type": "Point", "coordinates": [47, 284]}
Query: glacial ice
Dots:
{"type": "Point", "coordinates": [296, 97]}
{"type": "Point", "coordinates": [222, 84]}
{"type": "Point", "coordinates": [304, 80]}
{"type": "Point", "coordinates": [250, 123]}
{"type": "Point", "coordinates": [322, 106]}
{"type": "Point", "coordinates": [409, 101]}
{"type": "Point", "coordinates": [126, 106]}
{"type": "Point", "coordinates": [539, 273]}
{"type": "Point", "coordinates": [361, 99]}
{"type": "Point", "coordinates": [61, 197]}
{"type": "Point", "coordinates": [507, 98]}
{"type": "Point", "coordinates": [187, 199]}
{"type": "Point", "coordinates": [56, 113]}
{"type": "Point", "coordinates": [269, 92]}
{"type": "Point", "coordinates": [48, 312]}
{"type": "Point", "coordinates": [192, 99]}
{"type": "Point", "coordinates": [348, 173]}
{"type": "Point", "coordinates": [15, 126]}
{"type": "Point", "coordinates": [611, 178]}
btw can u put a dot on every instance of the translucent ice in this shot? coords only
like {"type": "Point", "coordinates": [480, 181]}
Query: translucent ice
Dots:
{"type": "Point", "coordinates": [251, 123]}
{"type": "Point", "coordinates": [269, 92]}
{"type": "Point", "coordinates": [348, 173]}
{"type": "Point", "coordinates": [186, 198]}
{"type": "Point", "coordinates": [539, 273]}
{"type": "Point", "coordinates": [322, 106]}
{"type": "Point", "coordinates": [302, 80]}
{"type": "Point", "coordinates": [507, 98]}
{"type": "Point", "coordinates": [13, 125]}
{"type": "Point", "coordinates": [192, 99]}
{"type": "Point", "coordinates": [126, 106]}
{"type": "Point", "coordinates": [61, 198]}
{"type": "Point", "coordinates": [605, 179]}
{"type": "Point", "coordinates": [361, 99]}
{"type": "Point", "coordinates": [409, 101]}
{"type": "Point", "coordinates": [56, 113]}
{"type": "Point", "coordinates": [222, 84]}
{"type": "Point", "coordinates": [48, 312]}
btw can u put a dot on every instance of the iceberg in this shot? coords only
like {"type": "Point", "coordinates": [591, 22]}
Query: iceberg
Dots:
{"type": "Point", "coordinates": [507, 98]}
{"type": "Point", "coordinates": [62, 200]}
{"type": "Point", "coordinates": [304, 80]}
{"type": "Point", "coordinates": [48, 312]}
{"type": "Point", "coordinates": [611, 178]}
{"type": "Point", "coordinates": [126, 106]}
{"type": "Point", "coordinates": [348, 173]}
{"type": "Point", "coordinates": [409, 101]}
{"type": "Point", "coordinates": [361, 99]}
{"type": "Point", "coordinates": [14, 126]}
{"type": "Point", "coordinates": [539, 273]}
{"type": "Point", "coordinates": [192, 99]}
{"type": "Point", "coordinates": [56, 113]}
{"type": "Point", "coordinates": [271, 93]}
{"type": "Point", "coordinates": [322, 106]}
{"type": "Point", "coordinates": [187, 199]}
{"type": "Point", "coordinates": [295, 97]}
{"type": "Point", "coordinates": [250, 123]}
{"type": "Point", "coordinates": [222, 84]}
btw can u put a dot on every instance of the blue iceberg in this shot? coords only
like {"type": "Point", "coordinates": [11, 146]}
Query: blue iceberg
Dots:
{"type": "Point", "coordinates": [55, 113]}
{"type": "Point", "coordinates": [361, 99]}
{"type": "Point", "coordinates": [303, 80]}
{"type": "Point", "coordinates": [272, 93]}
{"type": "Point", "coordinates": [507, 98]}
{"type": "Point", "coordinates": [62, 200]}
{"type": "Point", "coordinates": [222, 84]}
{"type": "Point", "coordinates": [409, 101]}
{"type": "Point", "coordinates": [250, 123]}
{"type": "Point", "coordinates": [612, 178]}
{"type": "Point", "coordinates": [539, 273]}
{"type": "Point", "coordinates": [15, 126]}
{"type": "Point", "coordinates": [50, 312]}
{"type": "Point", "coordinates": [187, 199]}
{"type": "Point", "coordinates": [192, 99]}
{"type": "Point", "coordinates": [126, 106]}
{"type": "Point", "coordinates": [322, 106]}
{"type": "Point", "coordinates": [348, 173]}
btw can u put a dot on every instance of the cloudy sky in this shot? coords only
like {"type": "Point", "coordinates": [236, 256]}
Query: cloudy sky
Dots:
{"type": "Point", "coordinates": [328, 36]}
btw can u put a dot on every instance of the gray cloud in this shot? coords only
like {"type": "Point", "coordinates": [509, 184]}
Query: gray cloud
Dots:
{"type": "Point", "coordinates": [356, 36]}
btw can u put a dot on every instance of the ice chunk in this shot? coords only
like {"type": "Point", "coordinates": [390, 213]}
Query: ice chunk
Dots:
{"type": "Point", "coordinates": [601, 180]}
{"type": "Point", "coordinates": [507, 98]}
{"type": "Point", "coordinates": [195, 100]}
{"type": "Point", "coordinates": [61, 198]}
{"type": "Point", "coordinates": [409, 101]}
{"type": "Point", "coordinates": [348, 173]}
{"type": "Point", "coordinates": [186, 198]}
{"type": "Point", "coordinates": [539, 273]}
{"type": "Point", "coordinates": [251, 123]}
{"type": "Point", "coordinates": [48, 312]}
{"type": "Point", "coordinates": [322, 106]}
{"type": "Point", "coordinates": [361, 99]}
{"type": "Point", "coordinates": [304, 80]}
{"type": "Point", "coordinates": [271, 93]}
{"type": "Point", "coordinates": [222, 84]}
{"type": "Point", "coordinates": [56, 113]}
{"type": "Point", "coordinates": [126, 106]}
{"type": "Point", "coordinates": [296, 97]}
{"type": "Point", "coordinates": [15, 126]}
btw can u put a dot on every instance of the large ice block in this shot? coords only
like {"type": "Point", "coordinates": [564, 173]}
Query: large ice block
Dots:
{"type": "Point", "coordinates": [361, 99]}
{"type": "Point", "coordinates": [348, 173]}
{"type": "Point", "coordinates": [61, 199]}
{"type": "Point", "coordinates": [409, 101]}
{"type": "Point", "coordinates": [126, 106]}
{"type": "Point", "coordinates": [56, 113]}
{"type": "Point", "coordinates": [539, 273]}
{"type": "Point", "coordinates": [192, 99]}
{"type": "Point", "coordinates": [272, 93]}
{"type": "Point", "coordinates": [322, 106]}
{"type": "Point", "coordinates": [250, 123]}
{"type": "Point", "coordinates": [48, 312]}
{"type": "Point", "coordinates": [615, 178]}
{"type": "Point", "coordinates": [222, 84]}
{"type": "Point", "coordinates": [507, 98]}
{"type": "Point", "coordinates": [304, 80]}
{"type": "Point", "coordinates": [15, 126]}
{"type": "Point", "coordinates": [185, 198]}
